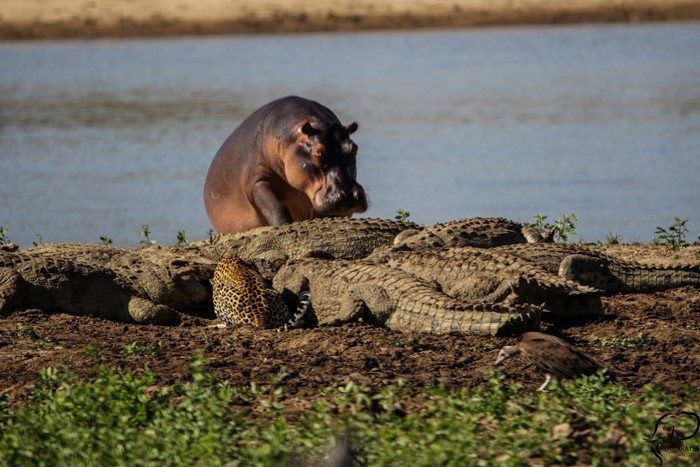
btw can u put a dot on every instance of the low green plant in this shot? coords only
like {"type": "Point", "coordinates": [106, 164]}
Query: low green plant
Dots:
{"type": "Point", "coordinates": [28, 332]}
{"type": "Point", "coordinates": [4, 239]}
{"type": "Point", "coordinates": [146, 234]}
{"type": "Point", "coordinates": [210, 234]}
{"type": "Point", "coordinates": [563, 227]}
{"type": "Point", "coordinates": [136, 348]}
{"type": "Point", "coordinates": [25, 332]}
{"type": "Point", "coordinates": [401, 215]}
{"type": "Point", "coordinates": [613, 238]}
{"type": "Point", "coordinates": [674, 236]}
{"type": "Point", "coordinates": [39, 240]}
{"type": "Point", "coordinates": [105, 240]}
{"type": "Point", "coordinates": [626, 342]}
{"type": "Point", "coordinates": [401, 340]}
{"type": "Point", "coordinates": [181, 238]}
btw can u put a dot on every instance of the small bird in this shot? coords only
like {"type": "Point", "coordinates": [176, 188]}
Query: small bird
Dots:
{"type": "Point", "coordinates": [553, 355]}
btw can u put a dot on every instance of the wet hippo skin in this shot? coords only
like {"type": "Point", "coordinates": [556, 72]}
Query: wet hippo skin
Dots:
{"type": "Point", "coordinates": [290, 160]}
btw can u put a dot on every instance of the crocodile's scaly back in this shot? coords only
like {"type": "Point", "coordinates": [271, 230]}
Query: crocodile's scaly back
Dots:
{"type": "Point", "coordinates": [587, 266]}
{"type": "Point", "coordinates": [486, 275]}
{"type": "Point", "coordinates": [54, 283]}
{"type": "Point", "coordinates": [143, 285]}
{"type": "Point", "coordinates": [482, 232]}
{"type": "Point", "coordinates": [84, 253]}
{"type": "Point", "coordinates": [345, 290]}
{"type": "Point", "coordinates": [337, 237]}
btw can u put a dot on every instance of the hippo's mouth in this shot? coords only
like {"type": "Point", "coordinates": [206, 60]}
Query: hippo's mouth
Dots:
{"type": "Point", "coordinates": [342, 203]}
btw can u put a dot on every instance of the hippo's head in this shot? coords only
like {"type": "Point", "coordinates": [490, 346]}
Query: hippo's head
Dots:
{"type": "Point", "coordinates": [322, 164]}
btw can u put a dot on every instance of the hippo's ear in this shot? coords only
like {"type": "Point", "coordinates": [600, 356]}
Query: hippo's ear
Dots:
{"type": "Point", "coordinates": [308, 129]}
{"type": "Point", "coordinates": [352, 128]}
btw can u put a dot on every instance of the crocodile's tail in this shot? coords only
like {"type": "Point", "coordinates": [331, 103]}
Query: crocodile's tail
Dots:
{"type": "Point", "coordinates": [297, 319]}
{"type": "Point", "coordinates": [615, 276]}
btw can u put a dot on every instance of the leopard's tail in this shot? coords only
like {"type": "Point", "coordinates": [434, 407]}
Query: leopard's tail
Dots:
{"type": "Point", "coordinates": [297, 319]}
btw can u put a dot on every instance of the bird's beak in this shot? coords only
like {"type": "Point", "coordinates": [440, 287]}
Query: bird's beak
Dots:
{"type": "Point", "coordinates": [501, 356]}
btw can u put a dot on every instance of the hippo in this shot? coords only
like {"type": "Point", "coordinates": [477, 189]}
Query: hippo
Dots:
{"type": "Point", "coordinates": [290, 160]}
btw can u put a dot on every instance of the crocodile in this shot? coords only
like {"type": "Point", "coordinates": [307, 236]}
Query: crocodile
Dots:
{"type": "Point", "coordinates": [343, 291]}
{"type": "Point", "coordinates": [56, 284]}
{"type": "Point", "coordinates": [356, 238]}
{"type": "Point", "coordinates": [587, 266]}
{"type": "Point", "coordinates": [149, 285]}
{"type": "Point", "coordinates": [337, 237]}
{"type": "Point", "coordinates": [483, 232]}
{"type": "Point", "coordinates": [164, 281]}
{"type": "Point", "coordinates": [485, 275]}
{"type": "Point", "coordinates": [171, 278]}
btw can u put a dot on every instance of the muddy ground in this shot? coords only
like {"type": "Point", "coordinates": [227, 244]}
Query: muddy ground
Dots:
{"type": "Point", "coordinates": [667, 354]}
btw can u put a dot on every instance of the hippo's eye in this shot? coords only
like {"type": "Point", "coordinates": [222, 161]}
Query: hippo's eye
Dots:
{"type": "Point", "coordinates": [318, 152]}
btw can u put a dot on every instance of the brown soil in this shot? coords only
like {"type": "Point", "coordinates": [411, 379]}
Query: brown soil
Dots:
{"type": "Point", "coordinates": [317, 358]}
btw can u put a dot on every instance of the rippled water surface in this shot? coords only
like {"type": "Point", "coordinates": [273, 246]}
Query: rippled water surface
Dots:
{"type": "Point", "coordinates": [100, 137]}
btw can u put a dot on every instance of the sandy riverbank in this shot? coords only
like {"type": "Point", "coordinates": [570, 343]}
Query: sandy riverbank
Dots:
{"type": "Point", "coordinates": [43, 19]}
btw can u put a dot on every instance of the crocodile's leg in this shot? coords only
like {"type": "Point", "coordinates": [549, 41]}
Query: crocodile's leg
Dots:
{"type": "Point", "coordinates": [351, 308]}
{"type": "Point", "coordinates": [11, 290]}
{"type": "Point", "coordinates": [146, 312]}
{"type": "Point", "coordinates": [482, 286]}
{"type": "Point", "coordinates": [591, 271]}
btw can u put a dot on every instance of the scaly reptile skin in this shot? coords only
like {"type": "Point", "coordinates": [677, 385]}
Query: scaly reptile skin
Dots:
{"type": "Point", "coordinates": [145, 285]}
{"type": "Point", "coordinates": [589, 267]}
{"type": "Point", "coordinates": [482, 232]}
{"type": "Point", "coordinates": [486, 275]}
{"type": "Point", "coordinates": [342, 291]}
{"type": "Point", "coordinates": [337, 237]}
{"type": "Point", "coordinates": [57, 284]}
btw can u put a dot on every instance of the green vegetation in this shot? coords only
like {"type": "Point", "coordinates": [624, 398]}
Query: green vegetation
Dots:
{"type": "Point", "coordinates": [401, 215]}
{"type": "Point", "coordinates": [626, 342]}
{"type": "Point", "coordinates": [121, 417]}
{"type": "Point", "coordinates": [563, 228]}
{"type": "Point", "coordinates": [674, 236]}
{"type": "Point", "coordinates": [210, 235]}
{"type": "Point", "coordinates": [146, 234]}
{"type": "Point", "coordinates": [613, 238]}
{"type": "Point", "coordinates": [25, 332]}
{"type": "Point", "coordinates": [181, 238]}
{"type": "Point", "coordinates": [137, 348]}
{"type": "Point", "coordinates": [4, 239]}
{"type": "Point", "coordinates": [39, 240]}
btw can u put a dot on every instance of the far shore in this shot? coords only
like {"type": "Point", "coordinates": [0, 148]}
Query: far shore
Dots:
{"type": "Point", "coordinates": [59, 19]}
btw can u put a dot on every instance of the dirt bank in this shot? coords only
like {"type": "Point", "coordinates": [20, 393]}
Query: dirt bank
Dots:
{"type": "Point", "coordinates": [44, 19]}
{"type": "Point", "coordinates": [645, 338]}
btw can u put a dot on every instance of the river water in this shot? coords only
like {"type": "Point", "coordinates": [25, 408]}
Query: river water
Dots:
{"type": "Point", "coordinates": [100, 137]}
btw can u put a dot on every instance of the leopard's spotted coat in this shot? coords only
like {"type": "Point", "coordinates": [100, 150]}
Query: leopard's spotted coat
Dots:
{"type": "Point", "coordinates": [241, 296]}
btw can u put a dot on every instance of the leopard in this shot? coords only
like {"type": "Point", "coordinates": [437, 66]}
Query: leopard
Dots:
{"type": "Point", "coordinates": [241, 296]}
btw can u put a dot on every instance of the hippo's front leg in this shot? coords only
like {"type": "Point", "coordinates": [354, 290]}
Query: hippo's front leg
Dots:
{"type": "Point", "coordinates": [268, 205]}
